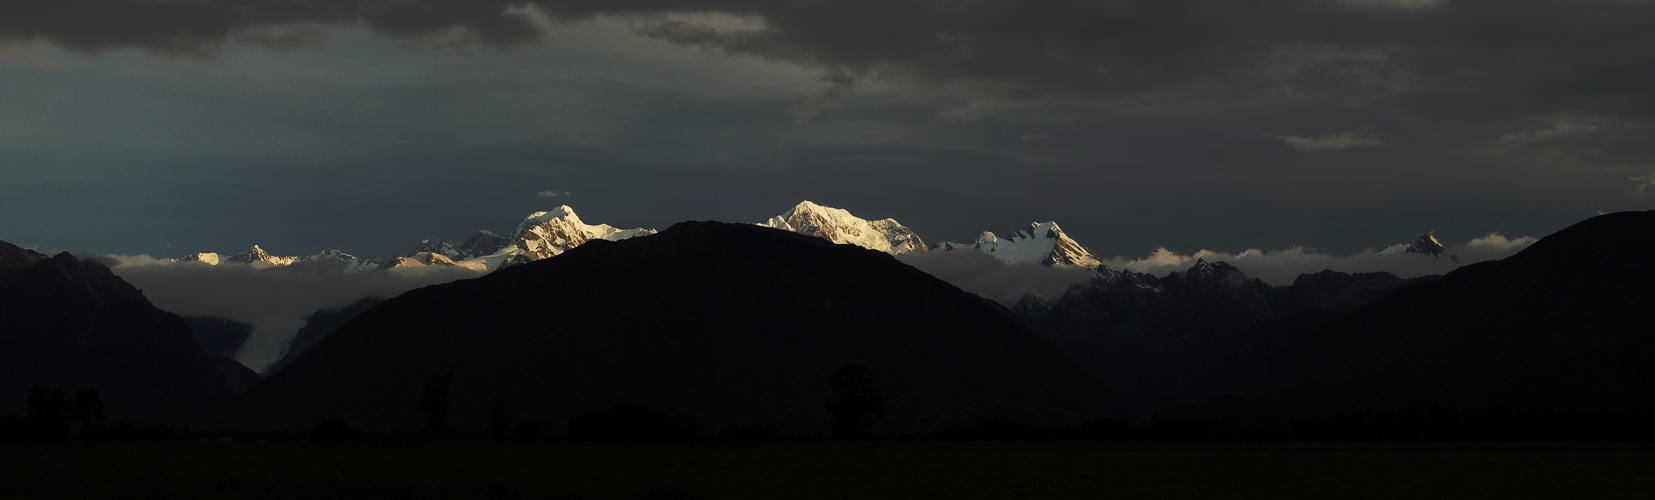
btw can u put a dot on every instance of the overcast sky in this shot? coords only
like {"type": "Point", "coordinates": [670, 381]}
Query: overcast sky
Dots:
{"type": "Point", "coordinates": [170, 127]}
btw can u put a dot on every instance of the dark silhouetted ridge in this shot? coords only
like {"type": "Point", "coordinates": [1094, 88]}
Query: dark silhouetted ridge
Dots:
{"type": "Point", "coordinates": [72, 323]}
{"type": "Point", "coordinates": [1567, 323]}
{"type": "Point", "coordinates": [726, 324]}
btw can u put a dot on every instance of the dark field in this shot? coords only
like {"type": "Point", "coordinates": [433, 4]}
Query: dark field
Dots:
{"type": "Point", "coordinates": [825, 471]}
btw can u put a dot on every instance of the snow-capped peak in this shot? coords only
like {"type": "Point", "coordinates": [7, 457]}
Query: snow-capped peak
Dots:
{"type": "Point", "coordinates": [839, 226]}
{"type": "Point", "coordinates": [538, 218]}
{"type": "Point", "coordinates": [544, 234]}
{"type": "Point", "coordinates": [350, 262]}
{"type": "Point", "coordinates": [210, 258]}
{"type": "Point", "coordinates": [256, 254]}
{"type": "Point", "coordinates": [1427, 244]}
{"type": "Point", "coordinates": [1043, 243]}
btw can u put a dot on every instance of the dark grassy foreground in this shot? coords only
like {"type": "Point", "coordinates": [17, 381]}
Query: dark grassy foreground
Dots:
{"type": "Point", "coordinates": [826, 471]}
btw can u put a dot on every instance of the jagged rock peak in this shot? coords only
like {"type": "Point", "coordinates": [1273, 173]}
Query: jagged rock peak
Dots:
{"type": "Point", "coordinates": [1427, 244]}
{"type": "Point", "coordinates": [481, 244]}
{"type": "Point", "coordinates": [13, 256]}
{"type": "Point", "coordinates": [1043, 243]}
{"type": "Point", "coordinates": [839, 226]}
{"type": "Point", "coordinates": [420, 259]}
{"type": "Point", "coordinates": [1204, 272]}
{"type": "Point", "coordinates": [257, 254]}
{"type": "Point", "coordinates": [211, 258]}
{"type": "Point", "coordinates": [545, 234]}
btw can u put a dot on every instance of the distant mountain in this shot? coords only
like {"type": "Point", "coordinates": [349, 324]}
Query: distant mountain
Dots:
{"type": "Point", "coordinates": [545, 234]}
{"type": "Point", "coordinates": [481, 244]}
{"type": "Point", "coordinates": [72, 323]}
{"type": "Point", "coordinates": [423, 259]}
{"type": "Point", "coordinates": [256, 255]}
{"type": "Point", "coordinates": [724, 323]}
{"type": "Point", "coordinates": [1427, 245]}
{"type": "Point", "coordinates": [317, 327]}
{"type": "Point", "coordinates": [1042, 243]}
{"type": "Point", "coordinates": [538, 236]}
{"type": "Point", "coordinates": [839, 226]}
{"type": "Point", "coordinates": [1563, 324]}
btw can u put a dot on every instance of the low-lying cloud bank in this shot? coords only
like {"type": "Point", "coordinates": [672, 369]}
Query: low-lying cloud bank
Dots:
{"type": "Point", "coordinates": [984, 275]}
{"type": "Point", "coordinates": [275, 300]}
{"type": "Point", "coordinates": [1281, 267]}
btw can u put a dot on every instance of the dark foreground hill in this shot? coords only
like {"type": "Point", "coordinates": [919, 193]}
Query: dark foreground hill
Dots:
{"type": "Point", "coordinates": [1168, 341]}
{"type": "Point", "coordinates": [723, 323]}
{"type": "Point", "coordinates": [72, 323]}
{"type": "Point", "coordinates": [1568, 323]}
{"type": "Point", "coordinates": [318, 326]}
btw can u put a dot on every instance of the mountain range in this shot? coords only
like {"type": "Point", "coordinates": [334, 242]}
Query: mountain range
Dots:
{"type": "Point", "coordinates": [733, 324]}
{"type": "Point", "coordinates": [544, 234]}
{"type": "Point", "coordinates": [728, 324]}
{"type": "Point", "coordinates": [1565, 324]}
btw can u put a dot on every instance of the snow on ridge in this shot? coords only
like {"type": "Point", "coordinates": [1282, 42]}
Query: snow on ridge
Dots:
{"type": "Point", "coordinates": [258, 256]}
{"type": "Point", "coordinates": [1042, 243]}
{"type": "Point", "coordinates": [545, 234]}
{"type": "Point", "coordinates": [839, 226]}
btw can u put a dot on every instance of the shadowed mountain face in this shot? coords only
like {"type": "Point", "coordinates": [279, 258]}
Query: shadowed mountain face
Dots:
{"type": "Point", "coordinates": [1169, 341]}
{"type": "Point", "coordinates": [71, 323]}
{"type": "Point", "coordinates": [1566, 323]}
{"type": "Point", "coordinates": [220, 337]}
{"type": "Point", "coordinates": [724, 323]}
{"type": "Point", "coordinates": [318, 326]}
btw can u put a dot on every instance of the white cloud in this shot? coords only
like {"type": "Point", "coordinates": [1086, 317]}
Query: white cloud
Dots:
{"type": "Point", "coordinates": [1342, 140]}
{"type": "Point", "coordinates": [1561, 128]}
{"type": "Point", "coordinates": [552, 194]}
{"type": "Point", "coordinates": [982, 274]}
{"type": "Point", "coordinates": [1281, 267]}
{"type": "Point", "coordinates": [1643, 183]}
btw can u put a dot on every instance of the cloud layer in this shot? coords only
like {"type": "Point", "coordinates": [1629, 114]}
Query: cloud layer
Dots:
{"type": "Point", "coordinates": [1281, 267]}
{"type": "Point", "coordinates": [1342, 140]}
{"type": "Point", "coordinates": [1436, 59]}
{"type": "Point", "coordinates": [275, 300]}
{"type": "Point", "coordinates": [982, 274]}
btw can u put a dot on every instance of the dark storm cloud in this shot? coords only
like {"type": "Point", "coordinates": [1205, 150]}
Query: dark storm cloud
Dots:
{"type": "Point", "coordinates": [1452, 60]}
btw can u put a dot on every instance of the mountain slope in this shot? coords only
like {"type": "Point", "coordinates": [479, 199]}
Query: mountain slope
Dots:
{"type": "Point", "coordinates": [1042, 243]}
{"type": "Point", "coordinates": [725, 323]}
{"type": "Point", "coordinates": [839, 226]}
{"type": "Point", "coordinates": [318, 326]}
{"type": "Point", "coordinates": [1566, 323]}
{"type": "Point", "coordinates": [545, 234]}
{"type": "Point", "coordinates": [72, 323]}
{"type": "Point", "coordinates": [1168, 341]}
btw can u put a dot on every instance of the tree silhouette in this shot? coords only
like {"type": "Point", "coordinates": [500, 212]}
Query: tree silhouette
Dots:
{"type": "Point", "coordinates": [88, 412]}
{"type": "Point", "coordinates": [859, 401]}
{"type": "Point", "coordinates": [434, 402]}
{"type": "Point", "coordinates": [49, 414]}
{"type": "Point", "coordinates": [499, 426]}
